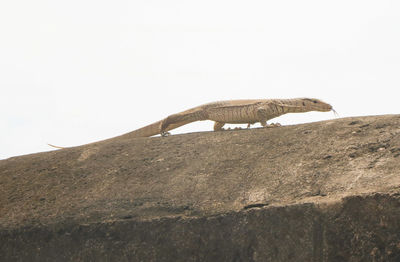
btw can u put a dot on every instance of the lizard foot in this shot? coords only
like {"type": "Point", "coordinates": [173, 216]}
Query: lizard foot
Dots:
{"type": "Point", "coordinates": [230, 129]}
{"type": "Point", "coordinates": [274, 125]}
{"type": "Point", "coordinates": [165, 133]}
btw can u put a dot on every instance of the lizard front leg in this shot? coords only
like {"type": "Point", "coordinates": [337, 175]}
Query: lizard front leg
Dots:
{"type": "Point", "coordinates": [262, 114]}
{"type": "Point", "coordinates": [274, 125]}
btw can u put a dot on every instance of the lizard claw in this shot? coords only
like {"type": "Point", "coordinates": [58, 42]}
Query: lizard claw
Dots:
{"type": "Point", "coordinates": [275, 125]}
{"type": "Point", "coordinates": [165, 133]}
{"type": "Point", "coordinates": [272, 125]}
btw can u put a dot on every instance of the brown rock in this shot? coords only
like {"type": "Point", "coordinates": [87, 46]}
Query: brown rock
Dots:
{"type": "Point", "coordinates": [324, 191]}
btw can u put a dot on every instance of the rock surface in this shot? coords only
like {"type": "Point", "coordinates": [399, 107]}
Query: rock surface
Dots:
{"type": "Point", "coordinates": [324, 191]}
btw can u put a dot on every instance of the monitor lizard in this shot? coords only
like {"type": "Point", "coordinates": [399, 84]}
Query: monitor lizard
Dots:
{"type": "Point", "coordinates": [233, 112]}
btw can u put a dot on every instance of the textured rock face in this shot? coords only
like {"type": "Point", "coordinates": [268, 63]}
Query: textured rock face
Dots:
{"type": "Point", "coordinates": [325, 191]}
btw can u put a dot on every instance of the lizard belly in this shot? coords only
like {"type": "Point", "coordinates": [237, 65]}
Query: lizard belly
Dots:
{"type": "Point", "coordinates": [242, 115]}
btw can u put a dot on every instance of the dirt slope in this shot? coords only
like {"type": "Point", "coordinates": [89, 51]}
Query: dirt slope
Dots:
{"type": "Point", "coordinates": [324, 191]}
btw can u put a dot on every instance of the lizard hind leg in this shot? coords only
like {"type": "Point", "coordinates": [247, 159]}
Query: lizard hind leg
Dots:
{"type": "Point", "coordinates": [218, 126]}
{"type": "Point", "coordinates": [165, 133]}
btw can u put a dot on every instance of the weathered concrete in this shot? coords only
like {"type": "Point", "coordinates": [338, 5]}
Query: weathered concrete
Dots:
{"type": "Point", "coordinates": [325, 191]}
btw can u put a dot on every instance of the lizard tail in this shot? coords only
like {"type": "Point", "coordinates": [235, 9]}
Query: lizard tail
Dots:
{"type": "Point", "coordinates": [59, 147]}
{"type": "Point", "coordinates": [146, 131]}
{"type": "Point", "coordinates": [149, 130]}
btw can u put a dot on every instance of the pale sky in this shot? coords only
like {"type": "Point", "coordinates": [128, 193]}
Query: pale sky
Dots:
{"type": "Point", "coordinates": [75, 72]}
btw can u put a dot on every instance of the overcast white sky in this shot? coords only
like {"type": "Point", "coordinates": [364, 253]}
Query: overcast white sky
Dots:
{"type": "Point", "coordinates": [74, 72]}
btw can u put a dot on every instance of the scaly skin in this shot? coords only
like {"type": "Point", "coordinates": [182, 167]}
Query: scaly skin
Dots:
{"type": "Point", "coordinates": [232, 112]}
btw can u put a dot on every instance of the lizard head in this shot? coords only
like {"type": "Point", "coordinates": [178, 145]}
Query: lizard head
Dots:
{"type": "Point", "coordinates": [313, 104]}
